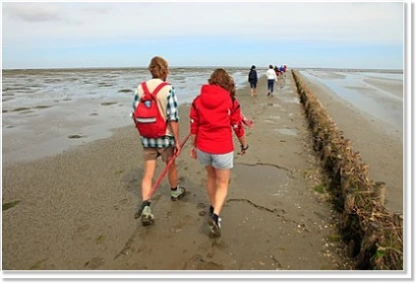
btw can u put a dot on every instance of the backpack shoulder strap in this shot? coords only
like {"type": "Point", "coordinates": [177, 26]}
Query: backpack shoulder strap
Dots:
{"type": "Point", "coordinates": [145, 88]}
{"type": "Point", "coordinates": [158, 88]}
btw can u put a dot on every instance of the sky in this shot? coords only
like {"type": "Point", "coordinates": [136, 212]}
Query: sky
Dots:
{"type": "Point", "coordinates": [129, 34]}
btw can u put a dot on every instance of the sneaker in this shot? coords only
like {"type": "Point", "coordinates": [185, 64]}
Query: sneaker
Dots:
{"type": "Point", "coordinates": [178, 194]}
{"type": "Point", "coordinates": [147, 218]}
{"type": "Point", "coordinates": [215, 227]}
{"type": "Point", "coordinates": [141, 208]}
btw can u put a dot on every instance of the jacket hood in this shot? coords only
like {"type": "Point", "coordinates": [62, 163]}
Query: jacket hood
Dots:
{"type": "Point", "coordinates": [213, 96]}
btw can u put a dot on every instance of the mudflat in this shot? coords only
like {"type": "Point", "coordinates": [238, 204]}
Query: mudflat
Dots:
{"type": "Point", "coordinates": [75, 210]}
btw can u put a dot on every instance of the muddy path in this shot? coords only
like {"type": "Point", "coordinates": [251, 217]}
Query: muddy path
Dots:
{"type": "Point", "coordinates": [76, 210]}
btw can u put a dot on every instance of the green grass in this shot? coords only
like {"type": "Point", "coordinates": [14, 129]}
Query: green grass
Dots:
{"type": "Point", "coordinates": [319, 188]}
{"type": "Point", "coordinates": [42, 107]}
{"type": "Point", "coordinates": [9, 205]}
{"type": "Point", "coordinates": [100, 239]}
{"type": "Point", "coordinates": [21, 109]}
{"type": "Point", "coordinates": [335, 238]}
{"type": "Point", "coordinates": [75, 137]}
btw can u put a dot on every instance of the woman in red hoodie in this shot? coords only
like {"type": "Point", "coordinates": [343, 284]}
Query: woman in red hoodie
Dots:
{"type": "Point", "coordinates": [212, 116]}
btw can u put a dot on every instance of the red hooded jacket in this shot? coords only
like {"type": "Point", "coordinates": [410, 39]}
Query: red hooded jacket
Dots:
{"type": "Point", "coordinates": [212, 115]}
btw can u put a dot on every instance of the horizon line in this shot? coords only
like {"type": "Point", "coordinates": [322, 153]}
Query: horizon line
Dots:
{"type": "Point", "coordinates": [196, 66]}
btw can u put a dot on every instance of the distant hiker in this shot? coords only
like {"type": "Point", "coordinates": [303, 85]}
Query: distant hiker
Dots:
{"type": "Point", "coordinates": [277, 70]}
{"type": "Point", "coordinates": [282, 70]}
{"type": "Point", "coordinates": [253, 79]}
{"type": "Point", "coordinates": [271, 78]}
{"type": "Point", "coordinates": [159, 130]}
{"type": "Point", "coordinates": [212, 115]}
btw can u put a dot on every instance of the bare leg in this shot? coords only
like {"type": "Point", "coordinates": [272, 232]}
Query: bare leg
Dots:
{"type": "Point", "coordinates": [172, 175]}
{"type": "Point", "coordinates": [211, 184]}
{"type": "Point", "coordinates": [222, 181]}
{"type": "Point", "coordinates": [147, 179]}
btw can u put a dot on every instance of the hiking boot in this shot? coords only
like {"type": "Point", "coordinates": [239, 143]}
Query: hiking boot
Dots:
{"type": "Point", "coordinates": [215, 227]}
{"type": "Point", "coordinates": [147, 218]}
{"type": "Point", "coordinates": [178, 194]}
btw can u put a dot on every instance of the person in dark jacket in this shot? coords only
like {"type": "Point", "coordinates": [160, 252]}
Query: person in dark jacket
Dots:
{"type": "Point", "coordinates": [253, 79]}
{"type": "Point", "coordinates": [213, 116]}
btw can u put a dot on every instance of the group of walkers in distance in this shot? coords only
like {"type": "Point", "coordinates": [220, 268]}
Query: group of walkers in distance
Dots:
{"type": "Point", "coordinates": [214, 115]}
{"type": "Point", "coordinates": [272, 77]}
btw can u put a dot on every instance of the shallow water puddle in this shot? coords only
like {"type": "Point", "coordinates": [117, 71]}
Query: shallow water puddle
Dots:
{"type": "Point", "coordinates": [272, 119]}
{"type": "Point", "coordinates": [289, 100]}
{"type": "Point", "coordinates": [288, 132]}
{"type": "Point", "coordinates": [270, 104]}
{"type": "Point", "coordinates": [265, 178]}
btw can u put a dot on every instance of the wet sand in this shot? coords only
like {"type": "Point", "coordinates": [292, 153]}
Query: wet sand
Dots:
{"type": "Point", "coordinates": [76, 209]}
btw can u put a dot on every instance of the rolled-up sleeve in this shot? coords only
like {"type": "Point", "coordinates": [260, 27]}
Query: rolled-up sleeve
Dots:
{"type": "Point", "coordinates": [194, 118]}
{"type": "Point", "coordinates": [236, 119]}
{"type": "Point", "coordinates": [172, 107]}
{"type": "Point", "coordinates": [135, 102]}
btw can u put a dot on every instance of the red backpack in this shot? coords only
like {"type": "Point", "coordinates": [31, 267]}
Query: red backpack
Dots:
{"type": "Point", "coordinates": [147, 117]}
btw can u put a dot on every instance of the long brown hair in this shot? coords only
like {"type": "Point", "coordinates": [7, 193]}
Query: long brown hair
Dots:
{"type": "Point", "coordinates": [222, 79]}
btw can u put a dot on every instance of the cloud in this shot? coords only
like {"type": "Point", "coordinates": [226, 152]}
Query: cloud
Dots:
{"type": "Point", "coordinates": [326, 21]}
{"type": "Point", "coordinates": [32, 12]}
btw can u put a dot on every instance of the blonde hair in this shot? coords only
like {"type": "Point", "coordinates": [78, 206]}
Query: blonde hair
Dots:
{"type": "Point", "coordinates": [158, 67]}
{"type": "Point", "coordinates": [222, 79]}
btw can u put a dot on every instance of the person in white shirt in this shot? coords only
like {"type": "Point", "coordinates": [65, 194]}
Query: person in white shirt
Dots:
{"type": "Point", "coordinates": [271, 79]}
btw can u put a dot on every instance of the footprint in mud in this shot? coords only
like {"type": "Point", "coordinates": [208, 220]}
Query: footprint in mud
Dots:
{"type": "Point", "coordinates": [202, 212]}
{"type": "Point", "coordinates": [121, 203]}
{"type": "Point", "coordinates": [94, 263]}
{"type": "Point", "coordinates": [82, 228]}
{"type": "Point", "coordinates": [201, 206]}
{"type": "Point", "coordinates": [196, 262]}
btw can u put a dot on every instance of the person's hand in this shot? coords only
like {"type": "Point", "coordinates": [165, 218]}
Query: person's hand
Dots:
{"type": "Point", "coordinates": [193, 153]}
{"type": "Point", "coordinates": [243, 149]}
{"type": "Point", "coordinates": [177, 149]}
{"type": "Point", "coordinates": [248, 123]}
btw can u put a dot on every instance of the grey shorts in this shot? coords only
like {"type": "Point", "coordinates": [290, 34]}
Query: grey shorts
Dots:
{"type": "Point", "coordinates": [218, 161]}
